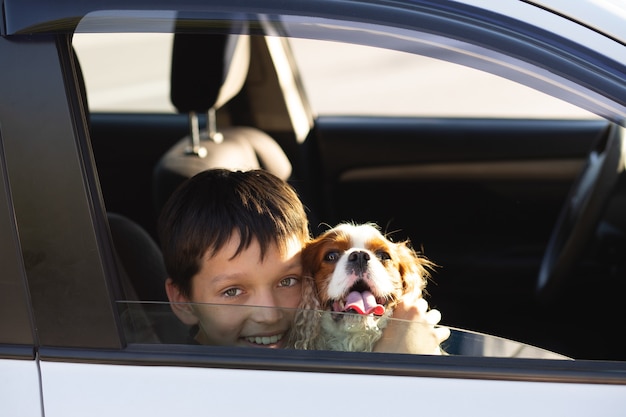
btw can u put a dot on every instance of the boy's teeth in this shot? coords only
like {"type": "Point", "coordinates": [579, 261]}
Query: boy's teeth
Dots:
{"type": "Point", "coordinates": [265, 340]}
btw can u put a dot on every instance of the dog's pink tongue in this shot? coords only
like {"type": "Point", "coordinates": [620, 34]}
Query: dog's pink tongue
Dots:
{"type": "Point", "coordinates": [364, 303]}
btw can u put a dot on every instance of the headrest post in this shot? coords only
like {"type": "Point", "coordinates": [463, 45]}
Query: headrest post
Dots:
{"type": "Point", "coordinates": [214, 135]}
{"type": "Point", "coordinates": [194, 129]}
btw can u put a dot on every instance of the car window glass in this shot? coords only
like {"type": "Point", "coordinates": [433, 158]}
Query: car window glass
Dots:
{"type": "Point", "coordinates": [155, 323]}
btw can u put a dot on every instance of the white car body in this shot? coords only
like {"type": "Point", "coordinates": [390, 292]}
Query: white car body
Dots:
{"type": "Point", "coordinates": [163, 391]}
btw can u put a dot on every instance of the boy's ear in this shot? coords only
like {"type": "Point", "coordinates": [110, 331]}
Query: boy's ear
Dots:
{"type": "Point", "coordinates": [178, 304]}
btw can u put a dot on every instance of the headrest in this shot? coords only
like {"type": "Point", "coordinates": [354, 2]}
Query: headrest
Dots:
{"type": "Point", "coordinates": [207, 70]}
{"type": "Point", "coordinates": [243, 148]}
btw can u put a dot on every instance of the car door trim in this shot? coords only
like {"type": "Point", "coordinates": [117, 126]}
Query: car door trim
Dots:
{"type": "Point", "coordinates": [464, 367]}
{"type": "Point", "coordinates": [523, 170]}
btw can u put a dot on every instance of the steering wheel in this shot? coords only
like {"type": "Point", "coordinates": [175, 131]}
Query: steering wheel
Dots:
{"type": "Point", "coordinates": [583, 210]}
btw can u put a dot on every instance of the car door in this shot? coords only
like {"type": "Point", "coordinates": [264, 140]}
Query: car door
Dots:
{"type": "Point", "coordinates": [88, 368]}
{"type": "Point", "coordinates": [20, 392]}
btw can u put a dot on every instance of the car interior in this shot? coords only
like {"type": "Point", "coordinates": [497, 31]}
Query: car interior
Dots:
{"type": "Point", "coordinates": [477, 196]}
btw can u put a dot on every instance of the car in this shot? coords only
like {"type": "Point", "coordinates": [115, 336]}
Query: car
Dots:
{"type": "Point", "coordinates": [522, 212]}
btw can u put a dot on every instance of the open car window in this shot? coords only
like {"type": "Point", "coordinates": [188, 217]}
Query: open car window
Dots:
{"type": "Point", "coordinates": [490, 159]}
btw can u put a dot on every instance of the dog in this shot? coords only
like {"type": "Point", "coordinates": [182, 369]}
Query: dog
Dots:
{"type": "Point", "coordinates": [356, 277]}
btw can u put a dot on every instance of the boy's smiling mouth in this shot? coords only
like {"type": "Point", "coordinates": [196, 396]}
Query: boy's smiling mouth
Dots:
{"type": "Point", "coordinates": [265, 341]}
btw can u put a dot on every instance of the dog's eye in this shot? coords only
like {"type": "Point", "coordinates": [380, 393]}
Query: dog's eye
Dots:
{"type": "Point", "coordinates": [332, 256]}
{"type": "Point", "coordinates": [382, 255]}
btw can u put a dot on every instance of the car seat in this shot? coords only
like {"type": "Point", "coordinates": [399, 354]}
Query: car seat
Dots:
{"type": "Point", "coordinates": [142, 274]}
{"type": "Point", "coordinates": [207, 71]}
{"type": "Point", "coordinates": [140, 258]}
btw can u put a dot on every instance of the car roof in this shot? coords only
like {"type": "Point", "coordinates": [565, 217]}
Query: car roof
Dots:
{"type": "Point", "coordinates": [578, 21]}
{"type": "Point", "coordinates": [603, 16]}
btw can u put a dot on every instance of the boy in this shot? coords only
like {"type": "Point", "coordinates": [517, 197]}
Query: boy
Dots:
{"type": "Point", "coordinates": [231, 242]}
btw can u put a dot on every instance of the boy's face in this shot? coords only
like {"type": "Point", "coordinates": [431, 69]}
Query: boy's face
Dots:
{"type": "Point", "coordinates": [244, 280]}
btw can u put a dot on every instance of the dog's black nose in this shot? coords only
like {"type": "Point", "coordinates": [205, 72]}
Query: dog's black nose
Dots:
{"type": "Point", "coordinates": [359, 259]}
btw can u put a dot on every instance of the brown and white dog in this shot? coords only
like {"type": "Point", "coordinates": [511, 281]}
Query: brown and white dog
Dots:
{"type": "Point", "coordinates": [356, 276]}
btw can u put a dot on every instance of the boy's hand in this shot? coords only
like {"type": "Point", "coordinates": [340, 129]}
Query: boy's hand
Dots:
{"type": "Point", "coordinates": [414, 329]}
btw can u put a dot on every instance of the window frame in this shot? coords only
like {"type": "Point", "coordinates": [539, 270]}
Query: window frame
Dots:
{"type": "Point", "coordinates": [17, 336]}
{"type": "Point", "coordinates": [59, 217]}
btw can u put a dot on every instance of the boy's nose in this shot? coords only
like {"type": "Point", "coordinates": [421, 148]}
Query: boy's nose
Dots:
{"type": "Point", "coordinates": [267, 310]}
{"type": "Point", "coordinates": [267, 314]}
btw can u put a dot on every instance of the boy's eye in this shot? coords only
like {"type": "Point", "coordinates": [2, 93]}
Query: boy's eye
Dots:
{"type": "Point", "coordinates": [232, 292]}
{"type": "Point", "coordinates": [288, 282]}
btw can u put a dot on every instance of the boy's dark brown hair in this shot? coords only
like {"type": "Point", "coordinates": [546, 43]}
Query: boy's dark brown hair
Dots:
{"type": "Point", "coordinates": [205, 211]}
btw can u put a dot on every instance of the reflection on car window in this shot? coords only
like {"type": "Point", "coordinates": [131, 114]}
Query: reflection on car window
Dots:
{"type": "Point", "coordinates": [156, 323]}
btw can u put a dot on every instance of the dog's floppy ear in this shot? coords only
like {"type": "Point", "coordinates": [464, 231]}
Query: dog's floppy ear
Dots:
{"type": "Point", "coordinates": [306, 323]}
{"type": "Point", "coordinates": [309, 255]}
{"type": "Point", "coordinates": [305, 328]}
{"type": "Point", "coordinates": [413, 268]}
{"type": "Point", "coordinates": [310, 261]}
{"type": "Point", "coordinates": [310, 299]}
